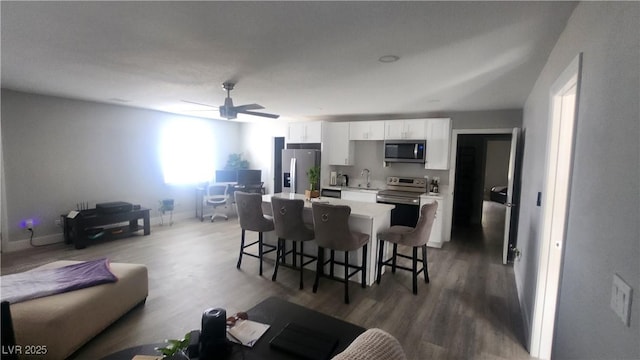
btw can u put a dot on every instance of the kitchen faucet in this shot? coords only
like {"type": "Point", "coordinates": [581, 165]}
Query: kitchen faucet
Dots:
{"type": "Point", "coordinates": [368, 173]}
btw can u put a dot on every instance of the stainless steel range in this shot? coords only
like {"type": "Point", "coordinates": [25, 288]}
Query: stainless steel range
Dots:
{"type": "Point", "coordinates": [404, 193]}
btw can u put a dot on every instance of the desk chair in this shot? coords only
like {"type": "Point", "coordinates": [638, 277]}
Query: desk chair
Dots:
{"type": "Point", "coordinates": [251, 218]}
{"type": "Point", "coordinates": [331, 223]}
{"type": "Point", "coordinates": [217, 195]}
{"type": "Point", "coordinates": [414, 237]}
{"type": "Point", "coordinates": [166, 205]}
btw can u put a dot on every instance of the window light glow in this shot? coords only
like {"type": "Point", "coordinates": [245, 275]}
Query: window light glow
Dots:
{"type": "Point", "coordinates": [187, 151]}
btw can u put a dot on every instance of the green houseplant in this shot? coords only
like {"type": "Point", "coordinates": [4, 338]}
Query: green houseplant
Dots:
{"type": "Point", "coordinates": [314, 181]}
{"type": "Point", "coordinates": [235, 162]}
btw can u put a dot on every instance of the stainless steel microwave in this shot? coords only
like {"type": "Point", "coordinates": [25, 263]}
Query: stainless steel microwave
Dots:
{"type": "Point", "coordinates": [411, 151]}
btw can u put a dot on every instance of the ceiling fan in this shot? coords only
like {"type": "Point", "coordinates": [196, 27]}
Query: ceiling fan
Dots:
{"type": "Point", "coordinates": [229, 111]}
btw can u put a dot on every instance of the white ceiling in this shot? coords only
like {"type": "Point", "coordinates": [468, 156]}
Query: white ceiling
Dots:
{"type": "Point", "coordinates": [302, 60]}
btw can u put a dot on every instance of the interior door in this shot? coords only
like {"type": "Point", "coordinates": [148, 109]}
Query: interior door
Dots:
{"type": "Point", "coordinates": [511, 207]}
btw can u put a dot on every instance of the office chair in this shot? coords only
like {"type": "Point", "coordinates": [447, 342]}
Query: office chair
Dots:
{"type": "Point", "coordinates": [166, 205]}
{"type": "Point", "coordinates": [217, 195]}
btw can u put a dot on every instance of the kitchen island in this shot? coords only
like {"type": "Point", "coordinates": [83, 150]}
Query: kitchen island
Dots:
{"type": "Point", "coordinates": [367, 218]}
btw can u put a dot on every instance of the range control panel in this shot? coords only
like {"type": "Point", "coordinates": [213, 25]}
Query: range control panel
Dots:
{"type": "Point", "coordinates": [406, 181]}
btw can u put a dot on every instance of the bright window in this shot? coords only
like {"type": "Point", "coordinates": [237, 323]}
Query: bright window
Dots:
{"type": "Point", "coordinates": [187, 151]}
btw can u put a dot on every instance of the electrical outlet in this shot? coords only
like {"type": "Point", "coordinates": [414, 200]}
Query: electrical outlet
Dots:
{"type": "Point", "coordinates": [28, 224]}
{"type": "Point", "coordinates": [57, 222]}
{"type": "Point", "coordinates": [621, 294]}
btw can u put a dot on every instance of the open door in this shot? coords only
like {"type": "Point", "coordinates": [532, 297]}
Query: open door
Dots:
{"type": "Point", "coordinates": [511, 207]}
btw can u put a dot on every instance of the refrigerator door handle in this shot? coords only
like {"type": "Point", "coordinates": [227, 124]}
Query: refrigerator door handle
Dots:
{"type": "Point", "coordinates": [293, 175]}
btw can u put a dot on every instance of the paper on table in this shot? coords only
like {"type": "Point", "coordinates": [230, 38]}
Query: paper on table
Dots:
{"type": "Point", "coordinates": [247, 332]}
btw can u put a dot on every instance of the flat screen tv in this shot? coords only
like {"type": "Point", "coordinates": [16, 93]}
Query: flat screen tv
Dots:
{"type": "Point", "coordinates": [226, 176]}
{"type": "Point", "coordinates": [249, 177]}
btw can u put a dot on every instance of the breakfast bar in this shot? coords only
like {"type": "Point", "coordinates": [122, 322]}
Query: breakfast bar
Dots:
{"type": "Point", "coordinates": [367, 218]}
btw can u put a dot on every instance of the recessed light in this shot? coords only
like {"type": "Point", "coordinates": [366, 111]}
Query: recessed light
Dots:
{"type": "Point", "coordinates": [388, 58]}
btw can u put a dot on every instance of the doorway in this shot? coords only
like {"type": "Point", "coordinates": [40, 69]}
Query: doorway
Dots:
{"type": "Point", "coordinates": [564, 99]}
{"type": "Point", "coordinates": [484, 160]}
{"type": "Point", "coordinates": [278, 146]}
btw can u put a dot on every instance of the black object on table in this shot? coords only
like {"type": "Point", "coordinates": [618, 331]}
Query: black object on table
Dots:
{"type": "Point", "coordinates": [86, 225]}
{"type": "Point", "coordinates": [278, 313]}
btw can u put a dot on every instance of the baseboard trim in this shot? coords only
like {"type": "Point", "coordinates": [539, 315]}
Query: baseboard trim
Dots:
{"type": "Point", "coordinates": [49, 239]}
{"type": "Point", "coordinates": [526, 319]}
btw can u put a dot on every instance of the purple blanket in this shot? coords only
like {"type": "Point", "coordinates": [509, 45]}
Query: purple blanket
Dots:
{"type": "Point", "coordinates": [39, 283]}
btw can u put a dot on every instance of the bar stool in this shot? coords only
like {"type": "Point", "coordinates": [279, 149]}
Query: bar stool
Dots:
{"type": "Point", "coordinates": [249, 207]}
{"type": "Point", "coordinates": [409, 236]}
{"type": "Point", "coordinates": [287, 219]}
{"type": "Point", "coordinates": [331, 224]}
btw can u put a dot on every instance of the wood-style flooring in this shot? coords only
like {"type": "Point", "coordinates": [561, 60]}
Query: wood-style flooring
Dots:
{"type": "Point", "coordinates": [469, 310]}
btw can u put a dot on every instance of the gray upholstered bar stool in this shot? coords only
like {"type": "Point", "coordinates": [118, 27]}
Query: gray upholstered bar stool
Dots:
{"type": "Point", "coordinates": [331, 223]}
{"type": "Point", "coordinates": [287, 219]}
{"type": "Point", "coordinates": [409, 236]}
{"type": "Point", "coordinates": [249, 207]}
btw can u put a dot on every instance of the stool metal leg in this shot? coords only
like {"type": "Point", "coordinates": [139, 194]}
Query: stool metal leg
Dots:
{"type": "Point", "coordinates": [301, 263]}
{"type": "Point", "coordinates": [346, 277]}
{"type": "Point", "coordinates": [380, 260]}
{"type": "Point", "coordinates": [319, 268]}
{"type": "Point", "coordinates": [393, 262]}
{"type": "Point", "coordinates": [260, 250]}
{"type": "Point", "coordinates": [241, 249]}
{"type": "Point", "coordinates": [278, 258]}
{"type": "Point", "coordinates": [364, 266]}
{"type": "Point", "coordinates": [415, 270]}
{"type": "Point", "coordinates": [424, 263]}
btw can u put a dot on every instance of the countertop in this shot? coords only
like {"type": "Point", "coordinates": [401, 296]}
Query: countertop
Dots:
{"type": "Point", "coordinates": [358, 208]}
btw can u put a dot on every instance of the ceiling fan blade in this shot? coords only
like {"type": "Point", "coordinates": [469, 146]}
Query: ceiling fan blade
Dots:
{"type": "Point", "coordinates": [197, 103]}
{"type": "Point", "coordinates": [248, 107]}
{"type": "Point", "coordinates": [272, 116]}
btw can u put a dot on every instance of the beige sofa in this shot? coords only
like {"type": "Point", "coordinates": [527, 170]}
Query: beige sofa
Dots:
{"type": "Point", "coordinates": [373, 344]}
{"type": "Point", "coordinates": [65, 322]}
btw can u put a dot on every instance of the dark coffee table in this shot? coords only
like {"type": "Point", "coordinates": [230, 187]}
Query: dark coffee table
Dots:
{"type": "Point", "coordinates": [277, 313]}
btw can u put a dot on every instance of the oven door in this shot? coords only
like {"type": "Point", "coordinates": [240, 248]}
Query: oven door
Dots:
{"type": "Point", "coordinates": [406, 212]}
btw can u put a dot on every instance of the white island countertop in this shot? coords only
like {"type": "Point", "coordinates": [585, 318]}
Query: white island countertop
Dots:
{"type": "Point", "coordinates": [358, 208]}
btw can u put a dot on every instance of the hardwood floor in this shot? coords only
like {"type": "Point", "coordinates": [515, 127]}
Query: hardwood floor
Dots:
{"type": "Point", "coordinates": [469, 310]}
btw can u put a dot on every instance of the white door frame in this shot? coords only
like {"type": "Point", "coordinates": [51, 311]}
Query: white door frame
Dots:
{"type": "Point", "coordinates": [452, 167]}
{"type": "Point", "coordinates": [563, 112]}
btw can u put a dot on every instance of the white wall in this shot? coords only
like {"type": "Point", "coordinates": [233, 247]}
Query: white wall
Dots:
{"type": "Point", "coordinates": [58, 152]}
{"type": "Point", "coordinates": [257, 140]}
{"type": "Point", "coordinates": [602, 234]}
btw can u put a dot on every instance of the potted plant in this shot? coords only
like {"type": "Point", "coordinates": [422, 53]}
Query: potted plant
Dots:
{"type": "Point", "coordinates": [235, 162]}
{"type": "Point", "coordinates": [314, 181]}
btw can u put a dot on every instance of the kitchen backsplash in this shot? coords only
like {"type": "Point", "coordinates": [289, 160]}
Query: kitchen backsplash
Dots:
{"type": "Point", "coordinates": [368, 154]}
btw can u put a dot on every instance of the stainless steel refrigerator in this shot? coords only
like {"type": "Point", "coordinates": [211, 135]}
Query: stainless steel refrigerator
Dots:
{"type": "Point", "coordinates": [295, 164]}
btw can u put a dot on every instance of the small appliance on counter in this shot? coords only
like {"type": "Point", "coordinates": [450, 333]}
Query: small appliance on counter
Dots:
{"type": "Point", "coordinates": [345, 180]}
{"type": "Point", "coordinates": [333, 178]}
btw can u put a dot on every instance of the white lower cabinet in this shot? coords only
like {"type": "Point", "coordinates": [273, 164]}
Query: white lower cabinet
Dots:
{"type": "Point", "coordinates": [363, 196]}
{"type": "Point", "coordinates": [436, 238]}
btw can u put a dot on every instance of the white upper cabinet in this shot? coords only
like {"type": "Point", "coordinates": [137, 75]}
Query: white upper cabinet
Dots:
{"type": "Point", "coordinates": [366, 130]}
{"type": "Point", "coordinates": [336, 145]}
{"type": "Point", "coordinates": [404, 129]}
{"type": "Point", "coordinates": [438, 133]}
{"type": "Point", "coordinates": [305, 132]}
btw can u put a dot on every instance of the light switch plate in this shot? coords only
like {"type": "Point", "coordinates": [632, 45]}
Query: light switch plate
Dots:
{"type": "Point", "coordinates": [621, 296]}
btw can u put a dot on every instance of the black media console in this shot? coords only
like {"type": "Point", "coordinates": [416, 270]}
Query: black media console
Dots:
{"type": "Point", "coordinates": [90, 225]}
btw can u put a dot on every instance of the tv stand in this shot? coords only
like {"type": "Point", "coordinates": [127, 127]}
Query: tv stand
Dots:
{"type": "Point", "coordinates": [89, 225]}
